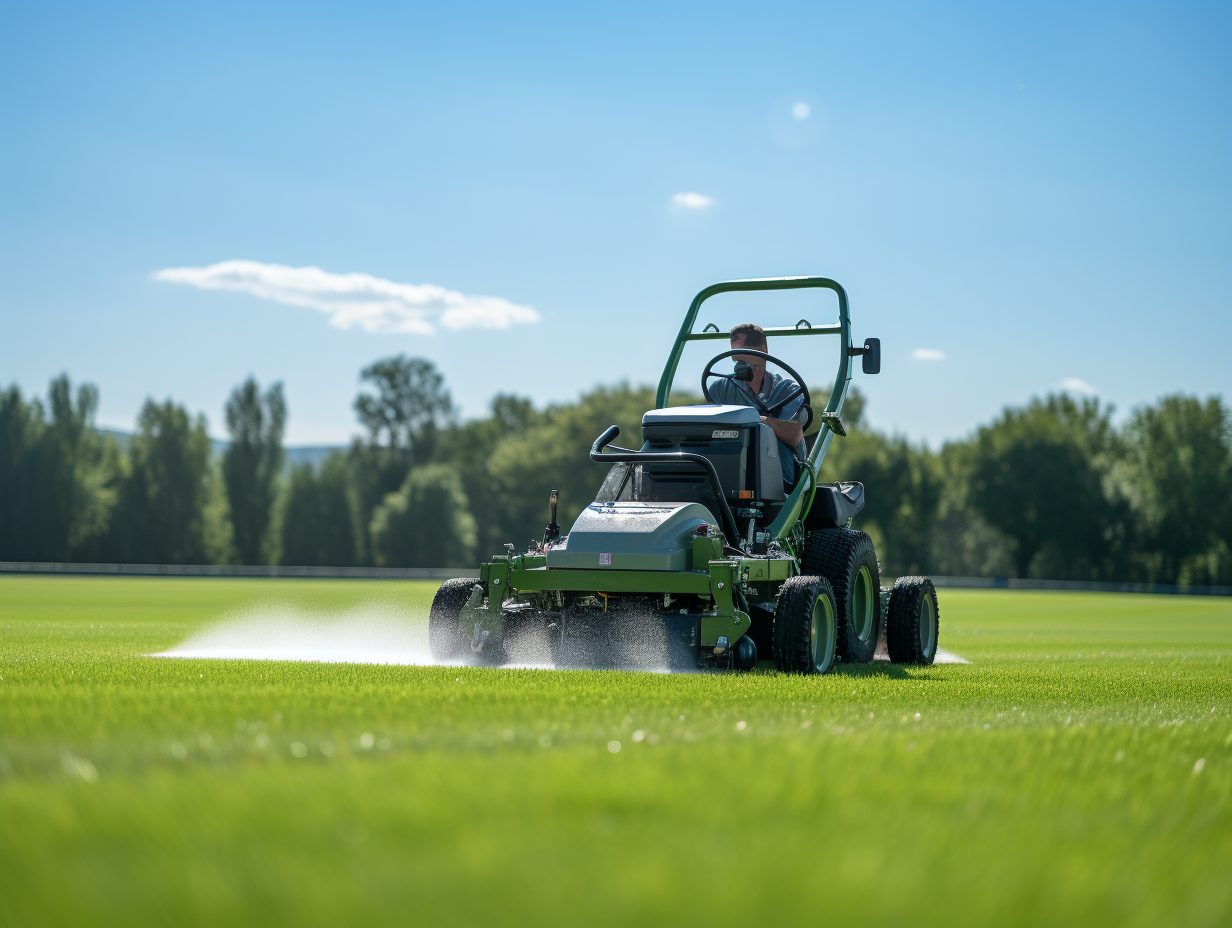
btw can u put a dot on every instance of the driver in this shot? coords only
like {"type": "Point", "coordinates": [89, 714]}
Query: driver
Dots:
{"type": "Point", "coordinates": [770, 388]}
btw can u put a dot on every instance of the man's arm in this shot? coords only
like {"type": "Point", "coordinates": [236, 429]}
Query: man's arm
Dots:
{"type": "Point", "coordinates": [788, 431]}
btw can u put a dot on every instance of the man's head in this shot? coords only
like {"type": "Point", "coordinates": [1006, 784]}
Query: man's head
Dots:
{"type": "Point", "coordinates": [747, 335]}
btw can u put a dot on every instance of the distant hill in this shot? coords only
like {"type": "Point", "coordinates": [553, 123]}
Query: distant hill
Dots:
{"type": "Point", "coordinates": [314, 455]}
{"type": "Point", "coordinates": [309, 454]}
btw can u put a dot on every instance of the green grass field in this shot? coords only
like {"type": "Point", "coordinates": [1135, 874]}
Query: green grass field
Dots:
{"type": "Point", "coordinates": [1078, 771]}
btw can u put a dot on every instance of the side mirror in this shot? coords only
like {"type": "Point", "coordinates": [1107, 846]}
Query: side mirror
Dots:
{"type": "Point", "coordinates": [871, 356]}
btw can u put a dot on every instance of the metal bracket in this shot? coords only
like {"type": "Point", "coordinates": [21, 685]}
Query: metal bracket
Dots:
{"type": "Point", "coordinates": [836, 424]}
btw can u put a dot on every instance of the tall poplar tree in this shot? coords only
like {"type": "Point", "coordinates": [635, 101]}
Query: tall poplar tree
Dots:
{"type": "Point", "coordinates": [252, 462]}
{"type": "Point", "coordinates": [160, 515]}
{"type": "Point", "coordinates": [57, 475]}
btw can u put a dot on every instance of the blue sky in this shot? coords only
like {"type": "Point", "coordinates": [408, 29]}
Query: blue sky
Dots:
{"type": "Point", "coordinates": [1018, 197]}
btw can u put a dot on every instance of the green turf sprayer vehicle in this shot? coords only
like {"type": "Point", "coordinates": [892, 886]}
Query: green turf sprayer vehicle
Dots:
{"type": "Point", "coordinates": [696, 553]}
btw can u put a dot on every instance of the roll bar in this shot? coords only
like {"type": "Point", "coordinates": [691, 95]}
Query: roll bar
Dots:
{"type": "Point", "coordinates": [797, 502]}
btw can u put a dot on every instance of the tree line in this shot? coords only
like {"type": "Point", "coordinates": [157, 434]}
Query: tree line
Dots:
{"type": "Point", "coordinates": [1053, 489]}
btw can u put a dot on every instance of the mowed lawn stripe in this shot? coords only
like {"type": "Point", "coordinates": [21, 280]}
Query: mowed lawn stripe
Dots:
{"type": "Point", "coordinates": [1077, 771]}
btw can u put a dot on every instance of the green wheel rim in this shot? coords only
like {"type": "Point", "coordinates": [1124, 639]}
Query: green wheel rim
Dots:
{"type": "Point", "coordinates": [823, 633]}
{"type": "Point", "coordinates": [928, 626]}
{"type": "Point", "coordinates": [862, 604]}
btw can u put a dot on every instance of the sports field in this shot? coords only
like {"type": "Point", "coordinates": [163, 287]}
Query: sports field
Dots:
{"type": "Point", "coordinates": [1078, 771]}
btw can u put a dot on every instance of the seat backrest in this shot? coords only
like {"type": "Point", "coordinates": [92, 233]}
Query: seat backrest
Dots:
{"type": "Point", "coordinates": [743, 450]}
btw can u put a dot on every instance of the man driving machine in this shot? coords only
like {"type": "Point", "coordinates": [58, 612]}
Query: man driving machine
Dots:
{"type": "Point", "coordinates": [765, 390]}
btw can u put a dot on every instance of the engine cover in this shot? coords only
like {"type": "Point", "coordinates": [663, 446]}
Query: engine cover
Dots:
{"type": "Point", "coordinates": [631, 536]}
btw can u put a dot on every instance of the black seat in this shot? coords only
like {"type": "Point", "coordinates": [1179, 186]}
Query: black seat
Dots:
{"type": "Point", "coordinates": [742, 449]}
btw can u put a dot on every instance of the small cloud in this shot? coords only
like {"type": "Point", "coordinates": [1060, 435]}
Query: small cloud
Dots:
{"type": "Point", "coordinates": [928, 354]}
{"type": "Point", "coordinates": [357, 300]}
{"type": "Point", "coordinates": [801, 110]}
{"type": "Point", "coordinates": [693, 200]}
{"type": "Point", "coordinates": [1078, 385]}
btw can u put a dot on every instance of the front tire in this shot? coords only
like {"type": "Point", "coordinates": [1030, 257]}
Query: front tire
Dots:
{"type": "Point", "coordinates": [447, 640]}
{"type": "Point", "coordinates": [805, 626]}
{"type": "Point", "coordinates": [744, 654]}
{"type": "Point", "coordinates": [912, 621]}
{"type": "Point", "coordinates": [846, 558]}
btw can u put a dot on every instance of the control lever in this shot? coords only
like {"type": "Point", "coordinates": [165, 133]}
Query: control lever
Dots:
{"type": "Point", "coordinates": [552, 533]}
{"type": "Point", "coordinates": [751, 515]}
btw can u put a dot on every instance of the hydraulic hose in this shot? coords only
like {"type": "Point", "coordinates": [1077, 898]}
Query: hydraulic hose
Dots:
{"type": "Point", "coordinates": [626, 456]}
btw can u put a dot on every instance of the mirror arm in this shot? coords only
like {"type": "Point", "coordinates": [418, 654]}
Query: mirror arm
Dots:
{"type": "Point", "coordinates": [872, 355]}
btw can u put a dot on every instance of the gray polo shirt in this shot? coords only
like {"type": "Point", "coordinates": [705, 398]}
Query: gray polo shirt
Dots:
{"type": "Point", "coordinates": [774, 388]}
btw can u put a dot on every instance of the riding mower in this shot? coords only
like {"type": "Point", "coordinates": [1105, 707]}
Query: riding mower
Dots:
{"type": "Point", "coordinates": [695, 552]}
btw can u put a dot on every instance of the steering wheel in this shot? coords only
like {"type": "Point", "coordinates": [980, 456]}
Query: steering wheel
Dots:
{"type": "Point", "coordinates": [762, 408]}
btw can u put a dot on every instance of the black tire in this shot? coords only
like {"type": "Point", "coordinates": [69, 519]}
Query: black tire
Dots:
{"type": "Point", "coordinates": [846, 558]}
{"type": "Point", "coordinates": [744, 653]}
{"type": "Point", "coordinates": [912, 621]}
{"type": "Point", "coordinates": [805, 626]}
{"type": "Point", "coordinates": [447, 640]}
{"type": "Point", "coordinates": [762, 629]}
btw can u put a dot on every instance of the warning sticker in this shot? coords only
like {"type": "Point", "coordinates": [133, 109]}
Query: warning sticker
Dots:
{"type": "Point", "coordinates": [605, 560]}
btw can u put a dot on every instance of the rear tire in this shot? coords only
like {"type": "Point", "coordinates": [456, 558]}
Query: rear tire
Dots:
{"type": "Point", "coordinates": [846, 558]}
{"type": "Point", "coordinates": [447, 640]}
{"type": "Point", "coordinates": [805, 626]}
{"type": "Point", "coordinates": [912, 621]}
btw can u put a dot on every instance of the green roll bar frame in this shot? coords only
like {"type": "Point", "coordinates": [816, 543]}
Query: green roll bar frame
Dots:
{"type": "Point", "coordinates": [801, 496]}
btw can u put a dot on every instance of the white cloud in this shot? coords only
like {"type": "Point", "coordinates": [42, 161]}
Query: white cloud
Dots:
{"type": "Point", "coordinates": [928, 354]}
{"type": "Point", "coordinates": [1078, 385]}
{"type": "Point", "coordinates": [693, 200]}
{"type": "Point", "coordinates": [357, 300]}
{"type": "Point", "coordinates": [801, 110]}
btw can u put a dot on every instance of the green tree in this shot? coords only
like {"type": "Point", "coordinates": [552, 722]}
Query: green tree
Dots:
{"type": "Point", "coordinates": [219, 532]}
{"type": "Point", "coordinates": [318, 516]}
{"type": "Point", "coordinates": [902, 487]}
{"type": "Point", "coordinates": [469, 447]}
{"type": "Point", "coordinates": [853, 408]}
{"type": "Point", "coordinates": [963, 543]}
{"type": "Point", "coordinates": [1176, 474]}
{"type": "Point", "coordinates": [160, 515]}
{"type": "Point", "coordinates": [403, 417]}
{"type": "Point", "coordinates": [21, 425]}
{"type": "Point", "coordinates": [409, 407]}
{"type": "Point", "coordinates": [427, 523]}
{"type": "Point", "coordinates": [251, 464]}
{"type": "Point", "coordinates": [57, 475]}
{"type": "Point", "coordinates": [1037, 475]}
